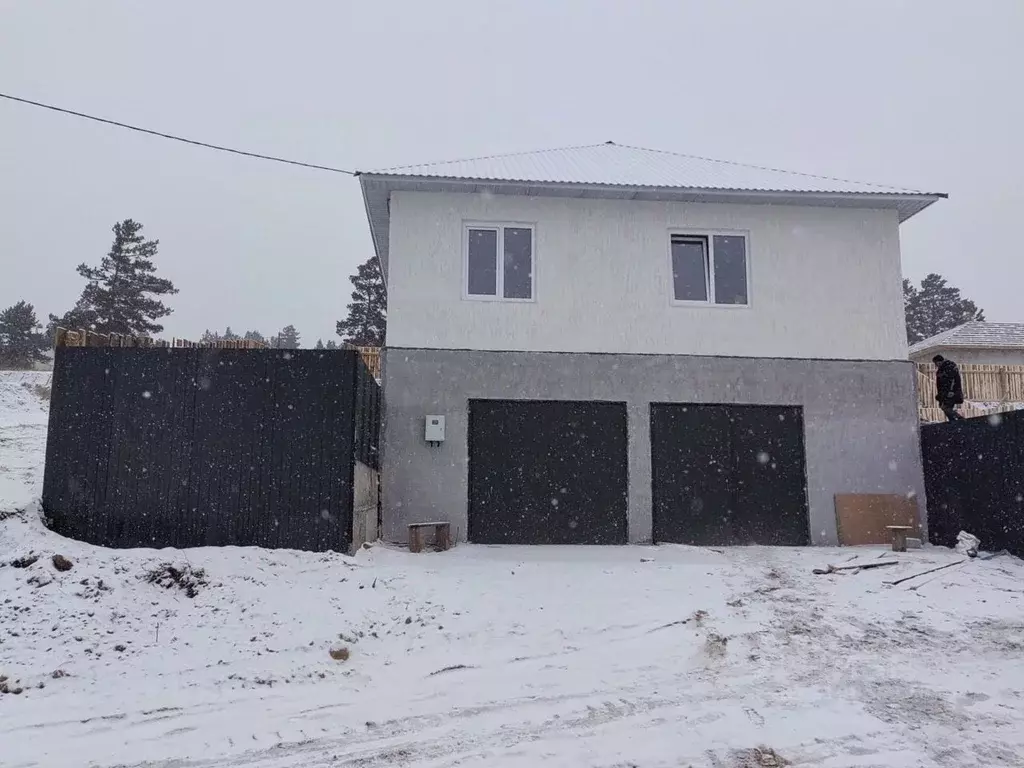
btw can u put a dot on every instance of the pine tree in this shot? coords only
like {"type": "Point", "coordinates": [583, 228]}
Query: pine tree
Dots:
{"type": "Point", "coordinates": [209, 336]}
{"type": "Point", "coordinates": [21, 343]}
{"type": "Point", "coordinates": [366, 324]}
{"type": "Point", "coordinates": [81, 316]}
{"type": "Point", "coordinates": [331, 344]}
{"type": "Point", "coordinates": [288, 338]}
{"type": "Point", "coordinates": [319, 344]}
{"type": "Point", "coordinates": [230, 335]}
{"type": "Point", "coordinates": [935, 307]}
{"type": "Point", "coordinates": [253, 336]}
{"type": "Point", "coordinates": [120, 295]}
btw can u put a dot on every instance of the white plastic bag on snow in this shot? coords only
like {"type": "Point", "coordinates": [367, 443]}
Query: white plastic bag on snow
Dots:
{"type": "Point", "coordinates": [967, 544]}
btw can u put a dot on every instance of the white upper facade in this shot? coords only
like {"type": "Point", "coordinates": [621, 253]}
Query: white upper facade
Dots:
{"type": "Point", "coordinates": [640, 262]}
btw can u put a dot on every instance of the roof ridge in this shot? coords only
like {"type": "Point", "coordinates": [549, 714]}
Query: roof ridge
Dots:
{"type": "Point", "coordinates": [773, 170]}
{"type": "Point", "coordinates": [488, 157]}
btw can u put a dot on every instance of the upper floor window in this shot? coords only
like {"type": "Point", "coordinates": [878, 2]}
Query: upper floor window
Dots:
{"type": "Point", "coordinates": [499, 262]}
{"type": "Point", "coordinates": [709, 268]}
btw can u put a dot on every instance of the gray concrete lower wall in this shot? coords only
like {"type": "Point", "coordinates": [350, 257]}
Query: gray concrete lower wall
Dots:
{"type": "Point", "coordinates": [860, 421]}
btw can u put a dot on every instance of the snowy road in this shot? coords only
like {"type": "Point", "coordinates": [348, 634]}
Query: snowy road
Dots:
{"type": "Point", "coordinates": [498, 656]}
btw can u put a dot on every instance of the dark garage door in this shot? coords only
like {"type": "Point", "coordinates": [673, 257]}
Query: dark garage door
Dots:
{"type": "Point", "coordinates": [547, 472]}
{"type": "Point", "coordinates": [729, 474]}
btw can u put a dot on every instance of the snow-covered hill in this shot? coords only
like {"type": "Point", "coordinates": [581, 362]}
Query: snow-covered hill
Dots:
{"type": "Point", "coordinates": [23, 412]}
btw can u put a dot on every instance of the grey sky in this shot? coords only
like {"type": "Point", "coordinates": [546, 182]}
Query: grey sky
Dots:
{"type": "Point", "coordinates": [919, 94]}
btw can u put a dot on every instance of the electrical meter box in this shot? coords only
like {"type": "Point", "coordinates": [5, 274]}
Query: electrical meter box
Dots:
{"type": "Point", "coordinates": [434, 432]}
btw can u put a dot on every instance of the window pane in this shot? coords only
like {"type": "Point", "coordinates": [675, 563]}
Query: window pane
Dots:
{"type": "Point", "coordinates": [730, 269]}
{"type": "Point", "coordinates": [690, 268]}
{"type": "Point", "coordinates": [483, 262]}
{"type": "Point", "coordinates": [518, 263]}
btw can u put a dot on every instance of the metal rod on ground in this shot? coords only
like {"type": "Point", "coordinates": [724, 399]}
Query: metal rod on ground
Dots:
{"type": "Point", "coordinates": [925, 573]}
{"type": "Point", "coordinates": [853, 566]}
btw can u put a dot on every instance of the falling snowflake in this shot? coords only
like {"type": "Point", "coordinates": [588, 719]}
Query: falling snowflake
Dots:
{"type": "Point", "coordinates": [763, 457]}
{"type": "Point", "coordinates": [147, 394]}
{"type": "Point", "coordinates": [893, 466]}
{"type": "Point", "coordinates": [995, 419]}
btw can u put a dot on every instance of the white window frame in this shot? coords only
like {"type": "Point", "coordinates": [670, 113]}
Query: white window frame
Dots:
{"type": "Point", "coordinates": [710, 277]}
{"type": "Point", "coordinates": [500, 227]}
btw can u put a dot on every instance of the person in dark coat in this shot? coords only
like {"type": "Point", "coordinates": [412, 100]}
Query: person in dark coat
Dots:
{"type": "Point", "coordinates": [950, 390]}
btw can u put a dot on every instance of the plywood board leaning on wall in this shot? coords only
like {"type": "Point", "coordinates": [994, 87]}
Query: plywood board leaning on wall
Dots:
{"type": "Point", "coordinates": [862, 517]}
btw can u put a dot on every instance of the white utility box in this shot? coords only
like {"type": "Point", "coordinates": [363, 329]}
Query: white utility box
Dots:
{"type": "Point", "coordinates": [434, 432]}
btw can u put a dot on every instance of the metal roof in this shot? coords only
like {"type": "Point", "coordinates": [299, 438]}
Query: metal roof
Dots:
{"type": "Point", "coordinates": [621, 172]}
{"type": "Point", "coordinates": [977, 335]}
{"type": "Point", "coordinates": [625, 166]}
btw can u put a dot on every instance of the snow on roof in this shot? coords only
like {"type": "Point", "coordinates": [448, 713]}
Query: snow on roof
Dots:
{"type": "Point", "coordinates": [977, 335]}
{"type": "Point", "coordinates": [626, 166]}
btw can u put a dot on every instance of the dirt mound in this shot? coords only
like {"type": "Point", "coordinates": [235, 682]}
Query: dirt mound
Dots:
{"type": "Point", "coordinates": [186, 578]}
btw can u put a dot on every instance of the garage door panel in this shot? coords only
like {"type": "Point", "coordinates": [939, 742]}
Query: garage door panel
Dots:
{"type": "Point", "coordinates": [692, 474]}
{"type": "Point", "coordinates": [770, 486]}
{"type": "Point", "coordinates": [547, 472]}
{"type": "Point", "coordinates": [728, 474]}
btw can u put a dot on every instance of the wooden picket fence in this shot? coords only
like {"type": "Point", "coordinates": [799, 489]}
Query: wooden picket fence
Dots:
{"type": "Point", "coordinates": [988, 389]}
{"type": "Point", "coordinates": [83, 338]}
{"type": "Point", "coordinates": [371, 356]}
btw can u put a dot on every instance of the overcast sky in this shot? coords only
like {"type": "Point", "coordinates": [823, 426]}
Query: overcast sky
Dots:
{"type": "Point", "coordinates": [923, 94]}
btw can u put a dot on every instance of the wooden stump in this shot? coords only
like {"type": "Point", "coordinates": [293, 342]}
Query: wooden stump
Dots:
{"type": "Point", "coordinates": [442, 538]}
{"type": "Point", "coordinates": [415, 538]}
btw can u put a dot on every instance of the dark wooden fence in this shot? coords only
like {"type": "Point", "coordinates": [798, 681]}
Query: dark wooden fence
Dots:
{"type": "Point", "coordinates": [184, 447]}
{"type": "Point", "coordinates": [974, 479]}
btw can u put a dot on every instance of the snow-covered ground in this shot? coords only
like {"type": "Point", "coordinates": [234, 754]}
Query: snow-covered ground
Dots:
{"type": "Point", "coordinates": [23, 414]}
{"type": "Point", "coordinates": [496, 656]}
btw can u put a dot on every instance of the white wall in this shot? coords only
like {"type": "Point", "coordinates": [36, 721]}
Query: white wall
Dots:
{"type": "Point", "coordinates": [974, 356]}
{"type": "Point", "coordinates": [824, 283]}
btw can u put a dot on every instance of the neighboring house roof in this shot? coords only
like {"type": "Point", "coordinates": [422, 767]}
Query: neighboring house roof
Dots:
{"type": "Point", "coordinates": [975, 335]}
{"type": "Point", "coordinates": [618, 171]}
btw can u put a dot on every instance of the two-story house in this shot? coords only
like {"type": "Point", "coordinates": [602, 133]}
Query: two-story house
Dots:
{"type": "Point", "coordinates": [624, 345]}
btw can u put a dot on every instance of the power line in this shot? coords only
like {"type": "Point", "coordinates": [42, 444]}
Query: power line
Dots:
{"type": "Point", "coordinates": [176, 138]}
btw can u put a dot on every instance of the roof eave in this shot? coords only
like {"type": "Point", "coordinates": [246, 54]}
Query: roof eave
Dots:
{"type": "Point", "coordinates": [377, 246]}
{"type": "Point", "coordinates": [918, 200]}
{"type": "Point", "coordinates": [945, 345]}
